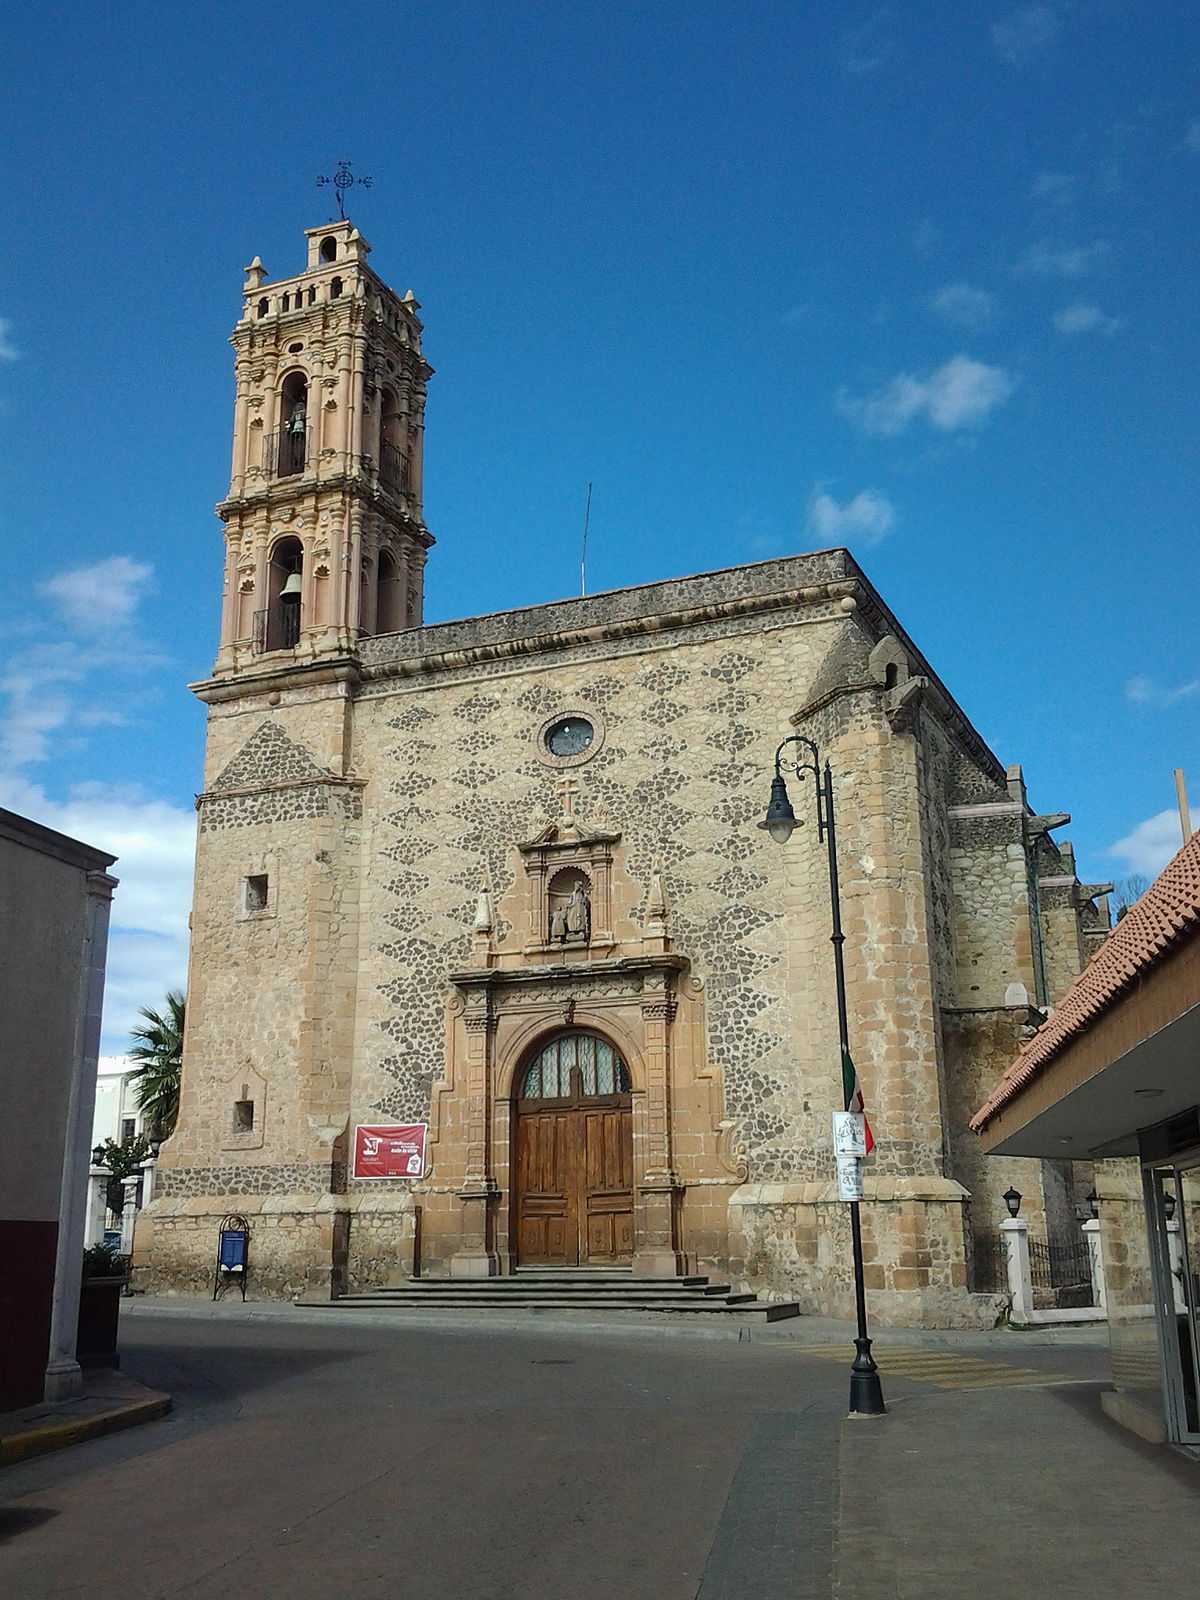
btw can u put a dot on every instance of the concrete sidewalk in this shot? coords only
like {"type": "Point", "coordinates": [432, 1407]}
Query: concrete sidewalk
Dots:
{"type": "Point", "coordinates": [1010, 1494]}
{"type": "Point", "coordinates": [1010, 1342]}
{"type": "Point", "coordinates": [108, 1402]}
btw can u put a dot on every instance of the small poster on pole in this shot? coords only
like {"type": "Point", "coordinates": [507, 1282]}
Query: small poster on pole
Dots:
{"type": "Point", "coordinates": [392, 1150]}
{"type": "Point", "coordinates": [849, 1134]}
{"type": "Point", "coordinates": [850, 1183]}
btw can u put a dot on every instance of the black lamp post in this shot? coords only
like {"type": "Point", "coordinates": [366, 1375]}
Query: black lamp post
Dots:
{"type": "Point", "coordinates": [1092, 1201]}
{"type": "Point", "coordinates": [1169, 1206]}
{"type": "Point", "coordinates": [866, 1392]}
{"type": "Point", "coordinates": [1012, 1199]}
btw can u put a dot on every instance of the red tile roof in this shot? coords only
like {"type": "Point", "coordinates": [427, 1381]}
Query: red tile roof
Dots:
{"type": "Point", "coordinates": [1166, 915]}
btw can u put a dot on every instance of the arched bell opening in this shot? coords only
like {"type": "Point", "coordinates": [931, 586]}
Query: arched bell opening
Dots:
{"type": "Point", "coordinates": [572, 1202]}
{"type": "Point", "coordinates": [329, 248]}
{"type": "Point", "coordinates": [393, 452]}
{"type": "Point", "coordinates": [389, 595]}
{"type": "Point", "coordinates": [291, 448]}
{"type": "Point", "coordinates": [285, 585]}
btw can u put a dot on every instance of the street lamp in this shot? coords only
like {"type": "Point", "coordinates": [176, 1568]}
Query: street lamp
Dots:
{"type": "Point", "coordinates": [1012, 1199]}
{"type": "Point", "coordinates": [866, 1392]}
{"type": "Point", "coordinates": [1168, 1206]}
{"type": "Point", "coordinates": [1092, 1201]}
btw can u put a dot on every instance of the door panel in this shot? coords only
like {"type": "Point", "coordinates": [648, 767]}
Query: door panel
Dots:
{"type": "Point", "coordinates": [547, 1225]}
{"type": "Point", "coordinates": [574, 1172]}
{"type": "Point", "coordinates": [607, 1199]}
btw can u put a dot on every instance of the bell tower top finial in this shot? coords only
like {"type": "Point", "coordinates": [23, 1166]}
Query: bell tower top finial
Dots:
{"type": "Point", "coordinates": [342, 180]}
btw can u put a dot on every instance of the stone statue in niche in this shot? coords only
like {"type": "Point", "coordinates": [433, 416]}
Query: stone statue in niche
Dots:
{"type": "Point", "coordinates": [570, 916]}
{"type": "Point", "coordinates": [579, 913]}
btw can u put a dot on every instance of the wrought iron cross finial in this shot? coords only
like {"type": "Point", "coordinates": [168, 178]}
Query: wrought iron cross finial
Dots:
{"type": "Point", "coordinates": [342, 180]}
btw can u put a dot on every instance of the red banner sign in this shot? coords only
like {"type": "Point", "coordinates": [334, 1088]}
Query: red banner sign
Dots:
{"type": "Point", "coordinates": [391, 1151]}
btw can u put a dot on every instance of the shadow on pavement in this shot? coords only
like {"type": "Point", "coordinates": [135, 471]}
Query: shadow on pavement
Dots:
{"type": "Point", "coordinates": [1084, 1400]}
{"type": "Point", "coordinates": [190, 1369]}
{"type": "Point", "coordinates": [17, 1520]}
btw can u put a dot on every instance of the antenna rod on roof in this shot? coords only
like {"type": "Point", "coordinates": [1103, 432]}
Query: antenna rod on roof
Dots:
{"type": "Point", "coordinates": [587, 515]}
{"type": "Point", "coordinates": [1185, 816]}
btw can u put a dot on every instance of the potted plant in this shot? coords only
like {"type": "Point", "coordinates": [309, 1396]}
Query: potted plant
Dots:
{"type": "Point", "coordinates": [105, 1275]}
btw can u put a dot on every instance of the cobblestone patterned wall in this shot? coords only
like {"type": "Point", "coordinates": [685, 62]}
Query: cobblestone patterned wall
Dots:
{"type": "Point", "coordinates": [456, 780]}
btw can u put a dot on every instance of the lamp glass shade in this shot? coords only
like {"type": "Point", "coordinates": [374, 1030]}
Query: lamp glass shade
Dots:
{"type": "Point", "coordinates": [1012, 1199]}
{"type": "Point", "coordinates": [780, 820]}
{"type": "Point", "coordinates": [1093, 1204]}
{"type": "Point", "coordinates": [1168, 1206]}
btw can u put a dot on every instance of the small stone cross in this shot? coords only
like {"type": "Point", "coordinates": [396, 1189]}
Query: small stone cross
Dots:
{"type": "Point", "coordinates": [567, 788]}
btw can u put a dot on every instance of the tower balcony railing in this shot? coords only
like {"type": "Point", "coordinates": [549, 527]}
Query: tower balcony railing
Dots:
{"type": "Point", "coordinates": [393, 468]}
{"type": "Point", "coordinates": [285, 452]}
{"type": "Point", "coordinates": [275, 629]}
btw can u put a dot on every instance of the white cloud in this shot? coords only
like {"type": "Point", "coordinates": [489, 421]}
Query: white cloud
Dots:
{"type": "Point", "coordinates": [960, 394]}
{"type": "Point", "coordinates": [58, 686]}
{"type": "Point", "coordinates": [866, 519]}
{"type": "Point", "coordinates": [927, 238]}
{"type": "Point", "coordinates": [1145, 692]}
{"type": "Point", "coordinates": [866, 48]}
{"type": "Point", "coordinates": [1151, 844]}
{"type": "Point", "coordinates": [1024, 33]}
{"type": "Point", "coordinates": [154, 843]}
{"type": "Point", "coordinates": [103, 596]}
{"type": "Point", "coordinates": [1080, 318]}
{"type": "Point", "coordinates": [964, 306]}
{"type": "Point", "coordinates": [8, 351]}
{"type": "Point", "coordinates": [1044, 260]}
{"type": "Point", "coordinates": [1057, 187]}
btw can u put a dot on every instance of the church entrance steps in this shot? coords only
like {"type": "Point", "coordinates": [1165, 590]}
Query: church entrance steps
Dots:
{"type": "Point", "coordinates": [602, 1289]}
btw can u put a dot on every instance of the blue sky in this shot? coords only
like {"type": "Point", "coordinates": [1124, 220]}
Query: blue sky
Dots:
{"type": "Point", "coordinates": [917, 278]}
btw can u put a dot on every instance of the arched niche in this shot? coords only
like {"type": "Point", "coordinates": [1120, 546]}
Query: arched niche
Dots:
{"type": "Point", "coordinates": [389, 594]}
{"type": "Point", "coordinates": [285, 606]}
{"type": "Point", "coordinates": [292, 438]}
{"type": "Point", "coordinates": [393, 447]}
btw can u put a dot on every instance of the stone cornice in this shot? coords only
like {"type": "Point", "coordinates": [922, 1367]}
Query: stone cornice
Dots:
{"type": "Point", "coordinates": [321, 780]}
{"type": "Point", "coordinates": [286, 491]}
{"type": "Point", "coordinates": [530, 977]}
{"type": "Point", "coordinates": [614, 632]}
{"type": "Point", "coordinates": [277, 675]}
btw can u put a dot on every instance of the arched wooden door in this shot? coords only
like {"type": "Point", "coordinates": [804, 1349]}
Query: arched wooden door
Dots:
{"type": "Point", "coordinates": [574, 1156]}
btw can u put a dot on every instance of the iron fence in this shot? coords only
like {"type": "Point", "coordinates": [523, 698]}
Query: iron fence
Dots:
{"type": "Point", "coordinates": [1064, 1266]}
{"type": "Point", "coordinates": [989, 1270]}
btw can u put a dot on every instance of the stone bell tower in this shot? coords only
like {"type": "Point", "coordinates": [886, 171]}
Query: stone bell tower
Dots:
{"type": "Point", "coordinates": [325, 541]}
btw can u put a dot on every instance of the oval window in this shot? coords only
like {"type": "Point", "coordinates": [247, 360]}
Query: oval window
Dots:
{"type": "Point", "coordinates": [570, 736]}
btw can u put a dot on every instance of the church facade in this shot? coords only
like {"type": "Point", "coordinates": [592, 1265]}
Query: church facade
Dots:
{"type": "Point", "coordinates": [505, 877]}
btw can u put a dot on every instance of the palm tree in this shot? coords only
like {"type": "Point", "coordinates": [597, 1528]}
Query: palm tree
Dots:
{"type": "Point", "coordinates": [158, 1049]}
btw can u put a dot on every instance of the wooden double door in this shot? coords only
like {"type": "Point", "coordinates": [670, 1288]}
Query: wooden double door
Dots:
{"type": "Point", "coordinates": [574, 1179]}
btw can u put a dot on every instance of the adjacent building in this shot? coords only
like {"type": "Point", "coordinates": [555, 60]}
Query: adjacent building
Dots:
{"type": "Point", "coordinates": [1113, 1077]}
{"type": "Point", "coordinates": [54, 905]}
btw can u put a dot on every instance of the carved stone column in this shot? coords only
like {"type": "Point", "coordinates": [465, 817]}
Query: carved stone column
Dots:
{"type": "Point", "coordinates": [479, 1196]}
{"type": "Point", "coordinates": [656, 1243]}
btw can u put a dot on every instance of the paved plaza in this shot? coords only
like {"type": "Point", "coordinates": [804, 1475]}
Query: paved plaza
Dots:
{"type": "Point", "coordinates": [310, 1453]}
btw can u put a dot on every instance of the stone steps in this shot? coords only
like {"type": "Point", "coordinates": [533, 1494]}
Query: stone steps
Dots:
{"type": "Point", "coordinates": [568, 1289]}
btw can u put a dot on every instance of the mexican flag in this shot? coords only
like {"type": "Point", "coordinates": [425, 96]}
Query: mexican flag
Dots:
{"type": "Point", "coordinates": [852, 1090]}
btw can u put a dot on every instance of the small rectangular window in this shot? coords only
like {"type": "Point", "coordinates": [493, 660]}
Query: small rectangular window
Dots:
{"type": "Point", "coordinates": [128, 1129]}
{"type": "Point", "coordinates": [256, 892]}
{"type": "Point", "coordinates": [243, 1116]}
